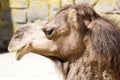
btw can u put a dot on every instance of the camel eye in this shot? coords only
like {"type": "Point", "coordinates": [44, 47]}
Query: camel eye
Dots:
{"type": "Point", "coordinates": [49, 32]}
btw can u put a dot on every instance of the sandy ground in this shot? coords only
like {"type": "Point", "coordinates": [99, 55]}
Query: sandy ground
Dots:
{"type": "Point", "coordinates": [30, 67]}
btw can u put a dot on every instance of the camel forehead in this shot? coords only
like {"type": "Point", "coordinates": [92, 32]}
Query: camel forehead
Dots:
{"type": "Point", "coordinates": [28, 28]}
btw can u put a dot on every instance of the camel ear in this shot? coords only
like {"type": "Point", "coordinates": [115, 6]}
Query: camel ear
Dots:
{"type": "Point", "coordinates": [73, 18]}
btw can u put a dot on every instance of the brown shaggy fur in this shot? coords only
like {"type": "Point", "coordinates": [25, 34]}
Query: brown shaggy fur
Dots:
{"type": "Point", "coordinates": [97, 53]}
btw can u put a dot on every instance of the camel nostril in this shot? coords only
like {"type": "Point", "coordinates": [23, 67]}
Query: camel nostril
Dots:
{"type": "Point", "coordinates": [18, 35]}
{"type": "Point", "coordinates": [48, 32]}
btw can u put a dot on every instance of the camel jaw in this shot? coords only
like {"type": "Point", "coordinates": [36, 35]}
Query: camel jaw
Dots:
{"type": "Point", "coordinates": [20, 52]}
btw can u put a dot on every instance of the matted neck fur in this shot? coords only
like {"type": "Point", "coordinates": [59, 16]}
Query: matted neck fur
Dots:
{"type": "Point", "coordinates": [88, 43]}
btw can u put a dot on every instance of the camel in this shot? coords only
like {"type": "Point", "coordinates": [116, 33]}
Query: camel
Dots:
{"type": "Point", "coordinates": [87, 45]}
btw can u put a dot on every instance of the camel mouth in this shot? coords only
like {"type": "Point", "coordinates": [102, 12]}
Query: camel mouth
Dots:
{"type": "Point", "coordinates": [21, 52]}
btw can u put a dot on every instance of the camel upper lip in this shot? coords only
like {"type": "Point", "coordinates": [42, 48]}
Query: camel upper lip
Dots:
{"type": "Point", "coordinates": [12, 48]}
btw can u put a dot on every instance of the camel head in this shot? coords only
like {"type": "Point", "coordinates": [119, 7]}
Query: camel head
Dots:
{"type": "Point", "coordinates": [68, 30]}
{"type": "Point", "coordinates": [30, 38]}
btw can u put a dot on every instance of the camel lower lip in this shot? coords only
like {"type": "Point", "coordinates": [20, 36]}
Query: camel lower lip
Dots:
{"type": "Point", "coordinates": [21, 52]}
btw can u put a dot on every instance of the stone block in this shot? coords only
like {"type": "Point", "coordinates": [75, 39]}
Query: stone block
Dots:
{"type": "Point", "coordinates": [16, 26]}
{"type": "Point", "coordinates": [54, 7]}
{"type": "Point", "coordinates": [91, 2]}
{"type": "Point", "coordinates": [114, 18]}
{"type": "Point", "coordinates": [38, 10]}
{"type": "Point", "coordinates": [118, 3]}
{"type": "Point", "coordinates": [105, 6]}
{"type": "Point", "coordinates": [65, 2]}
{"type": "Point", "coordinates": [4, 5]}
{"type": "Point", "coordinates": [0, 21]}
{"type": "Point", "coordinates": [18, 3]}
{"type": "Point", "coordinates": [6, 31]}
{"type": "Point", "coordinates": [5, 15]}
{"type": "Point", "coordinates": [19, 15]}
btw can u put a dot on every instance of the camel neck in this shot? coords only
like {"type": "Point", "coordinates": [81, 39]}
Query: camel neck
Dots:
{"type": "Point", "coordinates": [86, 68]}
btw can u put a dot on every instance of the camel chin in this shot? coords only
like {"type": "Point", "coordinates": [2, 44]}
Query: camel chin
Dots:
{"type": "Point", "coordinates": [20, 52]}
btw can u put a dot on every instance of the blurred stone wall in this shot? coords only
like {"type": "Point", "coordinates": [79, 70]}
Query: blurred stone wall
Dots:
{"type": "Point", "coordinates": [6, 27]}
{"type": "Point", "coordinates": [14, 13]}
